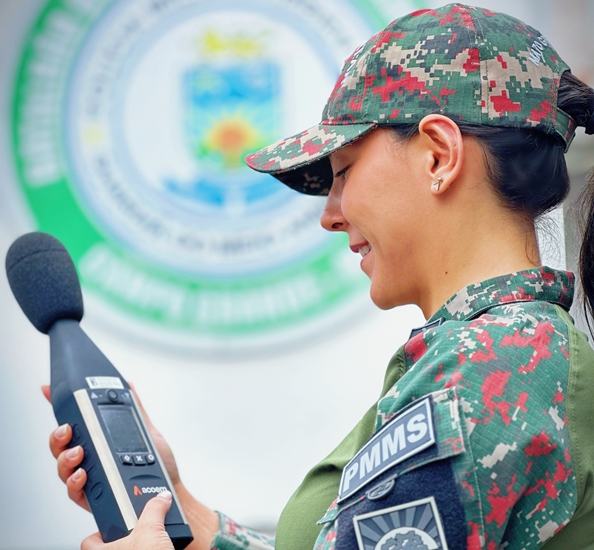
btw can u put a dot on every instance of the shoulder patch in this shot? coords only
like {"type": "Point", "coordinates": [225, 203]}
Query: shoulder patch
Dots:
{"type": "Point", "coordinates": [405, 435]}
{"type": "Point", "coordinates": [416, 331]}
{"type": "Point", "coordinates": [413, 525]}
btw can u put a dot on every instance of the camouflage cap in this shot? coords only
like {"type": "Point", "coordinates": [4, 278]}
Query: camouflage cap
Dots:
{"type": "Point", "coordinates": [468, 63]}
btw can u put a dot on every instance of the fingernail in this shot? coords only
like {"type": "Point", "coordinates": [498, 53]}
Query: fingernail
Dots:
{"type": "Point", "coordinates": [77, 475]}
{"type": "Point", "coordinates": [165, 494]}
{"type": "Point", "coordinates": [72, 453]}
{"type": "Point", "coordinates": [61, 431]}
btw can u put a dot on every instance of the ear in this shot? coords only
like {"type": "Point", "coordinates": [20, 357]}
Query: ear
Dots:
{"type": "Point", "coordinates": [442, 142]}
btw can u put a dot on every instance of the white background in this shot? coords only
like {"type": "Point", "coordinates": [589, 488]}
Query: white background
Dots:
{"type": "Point", "coordinates": [244, 433]}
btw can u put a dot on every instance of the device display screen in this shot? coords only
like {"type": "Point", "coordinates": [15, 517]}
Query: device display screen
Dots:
{"type": "Point", "coordinates": [123, 429]}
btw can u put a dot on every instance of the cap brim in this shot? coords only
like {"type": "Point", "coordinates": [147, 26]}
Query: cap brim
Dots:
{"type": "Point", "coordinates": [301, 161]}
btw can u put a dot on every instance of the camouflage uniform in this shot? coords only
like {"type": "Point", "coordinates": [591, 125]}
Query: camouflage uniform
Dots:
{"type": "Point", "coordinates": [482, 440]}
{"type": "Point", "coordinates": [507, 379]}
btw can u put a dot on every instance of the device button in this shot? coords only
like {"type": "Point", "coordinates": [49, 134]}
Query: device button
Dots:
{"type": "Point", "coordinates": [127, 459]}
{"type": "Point", "coordinates": [113, 395]}
{"type": "Point", "coordinates": [139, 460]}
{"type": "Point", "coordinates": [150, 458]}
{"type": "Point", "coordinates": [77, 436]}
{"type": "Point", "coordinates": [97, 491]}
{"type": "Point", "coordinates": [85, 455]}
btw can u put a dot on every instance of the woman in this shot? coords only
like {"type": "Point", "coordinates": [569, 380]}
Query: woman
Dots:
{"type": "Point", "coordinates": [442, 142]}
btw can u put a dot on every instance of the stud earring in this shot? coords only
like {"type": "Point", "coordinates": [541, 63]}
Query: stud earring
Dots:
{"type": "Point", "coordinates": [437, 184]}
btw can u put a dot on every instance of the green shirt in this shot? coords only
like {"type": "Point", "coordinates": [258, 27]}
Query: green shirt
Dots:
{"type": "Point", "coordinates": [509, 360]}
{"type": "Point", "coordinates": [297, 527]}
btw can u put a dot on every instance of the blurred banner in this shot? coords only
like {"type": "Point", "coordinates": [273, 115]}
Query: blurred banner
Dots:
{"type": "Point", "coordinates": [247, 330]}
{"type": "Point", "coordinates": [130, 123]}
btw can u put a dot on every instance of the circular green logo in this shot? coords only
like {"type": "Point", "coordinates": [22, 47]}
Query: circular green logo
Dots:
{"type": "Point", "coordinates": [130, 123]}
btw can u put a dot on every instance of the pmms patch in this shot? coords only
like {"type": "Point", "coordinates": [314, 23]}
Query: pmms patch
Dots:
{"type": "Point", "coordinates": [407, 434]}
{"type": "Point", "coordinates": [413, 525]}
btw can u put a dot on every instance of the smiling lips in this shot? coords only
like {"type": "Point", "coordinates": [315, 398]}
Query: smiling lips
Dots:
{"type": "Point", "coordinates": [362, 249]}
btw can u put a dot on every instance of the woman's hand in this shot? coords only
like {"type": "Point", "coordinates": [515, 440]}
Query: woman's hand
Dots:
{"type": "Point", "coordinates": [149, 533]}
{"type": "Point", "coordinates": [203, 521]}
{"type": "Point", "coordinates": [162, 446]}
{"type": "Point", "coordinates": [69, 459]}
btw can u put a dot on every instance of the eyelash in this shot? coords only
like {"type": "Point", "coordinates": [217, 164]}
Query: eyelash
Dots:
{"type": "Point", "coordinates": [341, 173]}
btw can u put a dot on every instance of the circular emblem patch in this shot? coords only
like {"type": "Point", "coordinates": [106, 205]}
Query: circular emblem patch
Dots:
{"type": "Point", "coordinates": [416, 525]}
{"type": "Point", "coordinates": [130, 123]}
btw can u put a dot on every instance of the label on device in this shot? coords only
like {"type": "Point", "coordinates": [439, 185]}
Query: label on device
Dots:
{"type": "Point", "coordinates": [104, 382]}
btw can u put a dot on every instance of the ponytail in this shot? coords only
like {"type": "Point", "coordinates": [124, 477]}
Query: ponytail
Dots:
{"type": "Point", "coordinates": [586, 257]}
{"type": "Point", "coordinates": [577, 100]}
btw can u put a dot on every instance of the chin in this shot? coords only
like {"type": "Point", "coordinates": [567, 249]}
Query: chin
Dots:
{"type": "Point", "coordinates": [388, 296]}
{"type": "Point", "coordinates": [382, 300]}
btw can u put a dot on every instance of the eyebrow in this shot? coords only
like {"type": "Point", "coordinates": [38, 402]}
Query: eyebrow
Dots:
{"type": "Point", "coordinates": [340, 172]}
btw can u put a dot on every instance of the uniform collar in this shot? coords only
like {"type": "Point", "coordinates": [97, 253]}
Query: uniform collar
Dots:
{"type": "Point", "coordinates": [538, 284]}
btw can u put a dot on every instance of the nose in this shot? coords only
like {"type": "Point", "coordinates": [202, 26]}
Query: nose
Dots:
{"type": "Point", "coordinates": [332, 218]}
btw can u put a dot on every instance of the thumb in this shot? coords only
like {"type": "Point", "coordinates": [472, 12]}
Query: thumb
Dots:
{"type": "Point", "coordinates": [155, 511]}
{"type": "Point", "coordinates": [46, 392]}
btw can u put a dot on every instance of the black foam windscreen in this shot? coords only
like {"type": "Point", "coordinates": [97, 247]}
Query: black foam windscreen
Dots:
{"type": "Point", "coordinates": [43, 280]}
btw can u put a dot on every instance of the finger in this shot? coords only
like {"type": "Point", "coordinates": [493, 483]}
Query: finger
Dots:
{"type": "Point", "coordinates": [75, 484]}
{"type": "Point", "coordinates": [94, 542]}
{"type": "Point", "coordinates": [68, 462]}
{"type": "Point", "coordinates": [141, 407]}
{"type": "Point", "coordinates": [155, 511]}
{"type": "Point", "coordinates": [138, 400]}
{"type": "Point", "coordinates": [59, 439]}
{"type": "Point", "coordinates": [46, 392]}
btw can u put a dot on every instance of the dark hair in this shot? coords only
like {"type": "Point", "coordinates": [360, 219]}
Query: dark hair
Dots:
{"type": "Point", "coordinates": [528, 171]}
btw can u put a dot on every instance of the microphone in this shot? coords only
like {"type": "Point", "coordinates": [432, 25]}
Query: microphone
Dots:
{"type": "Point", "coordinates": [124, 469]}
{"type": "Point", "coordinates": [43, 280]}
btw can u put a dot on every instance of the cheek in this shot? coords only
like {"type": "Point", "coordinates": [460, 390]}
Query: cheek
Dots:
{"type": "Point", "coordinates": [362, 201]}
{"type": "Point", "coordinates": [380, 202]}
{"type": "Point", "coordinates": [354, 206]}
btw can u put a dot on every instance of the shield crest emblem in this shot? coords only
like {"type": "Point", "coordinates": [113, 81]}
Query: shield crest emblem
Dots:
{"type": "Point", "coordinates": [231, 107]}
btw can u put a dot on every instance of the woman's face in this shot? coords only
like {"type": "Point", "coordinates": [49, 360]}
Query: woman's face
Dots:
{"type": "Point", "coordinates": [375, 199]}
